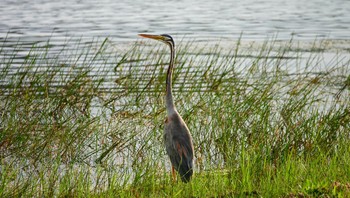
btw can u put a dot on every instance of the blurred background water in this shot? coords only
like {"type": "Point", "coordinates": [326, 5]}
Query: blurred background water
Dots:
{"type": "Point", "coordinates": [203, 19]}
{"type": "Point", "coordinates": [75, 27]}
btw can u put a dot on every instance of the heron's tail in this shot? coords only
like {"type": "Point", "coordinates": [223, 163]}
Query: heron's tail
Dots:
{"type": "Point", "coordinates": [186, 171]}
{"type": "Point", "coordinates": [186, 176]}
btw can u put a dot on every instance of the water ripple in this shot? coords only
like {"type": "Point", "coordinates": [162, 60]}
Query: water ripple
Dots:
{"type": "Point", "coordinates": [257, 19]}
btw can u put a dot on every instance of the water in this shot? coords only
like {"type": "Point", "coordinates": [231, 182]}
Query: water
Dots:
{"type": "Point", "coordinates": [206, 19]}
{"type": "Point", "coordinates": [74, 25]}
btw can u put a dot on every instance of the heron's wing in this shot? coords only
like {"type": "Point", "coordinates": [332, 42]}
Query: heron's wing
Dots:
{"type": "Point", "coordinates": [183, 156]}
{"type": "Point", "coordinates": [183, 147]}
{"type": "Point", "coordinates": [179, 147]}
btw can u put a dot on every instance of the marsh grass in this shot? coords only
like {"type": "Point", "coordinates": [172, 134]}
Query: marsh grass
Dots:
{"type": "Point", "coordinates": [87, 120]}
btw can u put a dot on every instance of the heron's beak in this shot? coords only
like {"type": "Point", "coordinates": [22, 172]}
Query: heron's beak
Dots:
{"type": "Point", "coordinates": [156, 37]}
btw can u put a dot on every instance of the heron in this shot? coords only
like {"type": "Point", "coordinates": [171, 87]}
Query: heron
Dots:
{"type": "Point", "coordinates": [177, 137]}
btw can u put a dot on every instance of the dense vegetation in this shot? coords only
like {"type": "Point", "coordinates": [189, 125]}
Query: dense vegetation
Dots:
{"type": "Point", "coordinates": [87, 120]}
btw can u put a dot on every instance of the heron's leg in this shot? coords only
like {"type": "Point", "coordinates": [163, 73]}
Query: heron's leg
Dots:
{"type": "Point", "coordinates": [173, 173]}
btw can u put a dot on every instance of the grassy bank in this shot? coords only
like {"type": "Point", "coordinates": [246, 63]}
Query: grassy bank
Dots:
{"type": "Point", "coordinates": [87, 120]}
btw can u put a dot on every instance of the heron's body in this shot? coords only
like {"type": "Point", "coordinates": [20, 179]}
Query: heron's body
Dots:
{"type": "Point", "coordinates": [177, 137]}
{"type": "Point", "coordinates": [179, 146]}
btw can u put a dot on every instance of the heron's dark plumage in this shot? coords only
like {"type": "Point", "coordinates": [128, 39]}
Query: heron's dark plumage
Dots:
{"type": "Point", "coordinates": [178, 143]}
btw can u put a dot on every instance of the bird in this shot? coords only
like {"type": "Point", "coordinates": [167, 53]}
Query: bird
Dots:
{"type": "Point", "coordinates": [177, 137]}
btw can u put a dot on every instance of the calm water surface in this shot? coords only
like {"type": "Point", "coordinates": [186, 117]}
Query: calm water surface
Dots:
{"type": "Point", "coordinates": [205, 19]}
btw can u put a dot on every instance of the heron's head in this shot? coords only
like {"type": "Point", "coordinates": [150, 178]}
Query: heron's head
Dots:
{"type": "Point", "coordinates": [165, 38]}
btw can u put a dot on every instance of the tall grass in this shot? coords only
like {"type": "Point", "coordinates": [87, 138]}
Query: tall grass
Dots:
{"type": "Point", "coordinates": [87, 120]}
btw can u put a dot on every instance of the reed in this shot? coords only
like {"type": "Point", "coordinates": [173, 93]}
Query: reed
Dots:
{"type": "Point", "coordinates": [86, 119]}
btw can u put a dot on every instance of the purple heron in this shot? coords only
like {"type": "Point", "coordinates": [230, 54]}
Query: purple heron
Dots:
{"type": "Point", "coordinates": [177, 137]}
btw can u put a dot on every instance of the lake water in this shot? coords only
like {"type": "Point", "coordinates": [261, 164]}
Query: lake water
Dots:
{"type": "Point", "coordinates": [205, 19]}
{"type": "Point", "coordinates": [76, 22]}
{"type": "Point", "coordinates": [80, 22]}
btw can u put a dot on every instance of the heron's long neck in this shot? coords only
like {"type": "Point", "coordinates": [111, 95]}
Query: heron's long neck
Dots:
{"type": "Point", "coordinates": [170, 106]}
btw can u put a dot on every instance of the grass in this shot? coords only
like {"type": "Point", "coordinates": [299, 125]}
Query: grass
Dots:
{"type": "Point", "coordinates": [87, 120]}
